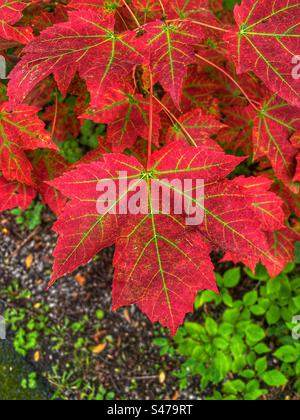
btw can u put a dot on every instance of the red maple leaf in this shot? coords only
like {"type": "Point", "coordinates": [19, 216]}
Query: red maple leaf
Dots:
{"type": "Point", "coordinates": [11, 13]}
{"type": "Point", "coordinates": [20, 130]}
{"type": "Point", "coordinates": [198, 127]}
{"type": "Point", "coordinates": [48, 164]}
{"type": "Point", "coordinates": [14, 194]}
{"type": "Point", "coordinates": [86, 43]}
{"type": "Point", "coordinates": [262, 24]}
{"type": "Point", "coordinates": [171, 50]}
{"type": "Point", "coordinates": [274, 122]}
{"type": "Point", "coordinates": [63, 121]}
{"type": "Point", "coordinates": [295, 140]}
{"type": "Point", "coordinates": [127, 116]}
{"type": "Point", "coordinates": [161, 252]}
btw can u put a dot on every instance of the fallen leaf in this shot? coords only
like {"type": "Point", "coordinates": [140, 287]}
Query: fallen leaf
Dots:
{"type": "Point", "coordinates": [37, 356]}
{"type": "Point", "coordinates": [99, 334]}
{"type": "Point", "coordinates": [162, 377]}
{"type": "Point", "coordinates": [126, 315]}
{"type": "Point", "coordinates": [176, 396]}
{"type": "Point", "coordinates": [29, 261]}
{"type": "Point", "coordinates": [81, 280]}
{"type": "Point", "coordinates": [99, 349]}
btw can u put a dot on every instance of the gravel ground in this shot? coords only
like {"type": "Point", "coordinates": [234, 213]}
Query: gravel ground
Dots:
{"type": "Point", "coordinates": [130, 367]}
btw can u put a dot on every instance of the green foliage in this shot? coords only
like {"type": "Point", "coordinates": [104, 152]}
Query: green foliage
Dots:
{"type": "Point", "coordinates": [30, 382]}
{"type": "Point", "coordinates": [71, 151]}
{"type": "Point", "coordinates": [229, 4]}
{"type": "Point", "coordinates": [31, 324]}
{"type": "Point", "coordinates": [31, 218]}
{"type": "Point", "coordinates": [242, 346]}
{"type": "Point", "coordinates": [90, 132]}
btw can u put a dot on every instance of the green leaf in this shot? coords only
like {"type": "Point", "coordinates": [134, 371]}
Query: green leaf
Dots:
{"type": "Point", "coordinates": [261, 348]}
{"type": "Point", "coordinates": [234, 387]}
{"type": "Point", "coordinates": [274, 378]}
{"type": "Point", "coordinates": [273, 315]}
{"type": "Point", "coordinates": [287, 354]}
{"type": "Point", "coordinates": [231, 315]}
{"type": "Point", "coordinates": [254, 334]}
{"type": "Point", "coordinates": [248, 374]}
{"type": "Point", "coordinates": [250, 298]}
{"type": "Point", "coordinates": [296, 301]}
{"type": "Point", "coordinates": [226, 329]}
{"type": "Point", "coordinates": [261, 365]}
{"type": "Point", "coordinates": [207, 296]}
{"type": "Point", "coordinates": [211, 326]}
{"type": "Point", "coordinates": [194, 329]}
{"type": "Point", "coordinates": [232, 277]}
{"type": "Point", "coordinates": [258, 310]}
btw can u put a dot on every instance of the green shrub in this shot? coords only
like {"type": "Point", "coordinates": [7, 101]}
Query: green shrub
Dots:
{"type": "Point", "coordinates": [242, 346]}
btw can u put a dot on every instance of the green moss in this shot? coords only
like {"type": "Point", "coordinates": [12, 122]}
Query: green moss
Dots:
{"type": "Point", "coordinates": [13, 371]}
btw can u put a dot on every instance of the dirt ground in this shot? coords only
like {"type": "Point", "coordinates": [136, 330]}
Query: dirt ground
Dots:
{"type": "Point", "coordinates": [130, 365]}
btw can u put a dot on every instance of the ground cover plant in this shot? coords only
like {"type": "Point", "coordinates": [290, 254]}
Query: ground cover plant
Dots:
{"type": "Point", "coordinates": [162, 91]}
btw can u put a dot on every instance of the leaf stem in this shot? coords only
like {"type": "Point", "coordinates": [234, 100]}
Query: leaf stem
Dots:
{"type": "Point", "coordinates": [230, 78]}
{"type": "Point", "coordinates": [173, 117]}
{"type": "Point", "coordinates": [206, 25]}
{"type": "Point", "coordinates": [132, 14]}
{"type": "Point", "coordinates": [162, 8]}
{"type": "Point", "coordinates": [55, 115]}
{"type": "Point", "coordinates": [150, 119]}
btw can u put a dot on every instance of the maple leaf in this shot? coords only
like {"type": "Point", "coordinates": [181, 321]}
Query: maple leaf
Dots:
{"type": "Point", "coordinates": [11, 13]}
{"type": "Point", "coordinates": [49, 164]}
{"type": "Point", "coordinates": [87, 44]}
{"type": "Point", "coordinates": [44, 19]}
{"type": "Point", "coordinates": [295, 140]}
{"type": "Point", "coordinates": [266, 205]}
{"type": "Point", "coordinates": [14, 194]}
{"type": "Point", "coordinates": [147, 10]}
{"type": "Point", "coordinates": [161, 272]}
{"type": "Point", "coordinates": [101, 6]}
{"type": "Point", "coordinates": [83, 231]}
{"type": "Point", "coordinates": [274, 122]}
{"type": "Point", "coordinates": [171, 51]}
{"type": "Point", "coordinates": [199, 126]}
{"type": "Point", "coordinates": [262, 24]}
{"type": "Point", "coordinates": [41, 94]}
{"type": "Point", "coordinates": [197, 10]}
{"type": "Point", "coordinates": [127, 116]}
{"type": "Point", "coordinates": [20, 130]}
{"type": "Point", "coordinates": [151, 269]}
{"type": "Point", "coordinates": [197, 92]}
{"type": "Point", "coordinates": [291, 201]}
{"type": "Point", "coordinates": [297, 175]}
{"type": "Point", "coordinates": [237, 133]}
{"type": "Point", "coordinates": [282, 247]}
{"type": "Point", "coordinates": [64, 118]}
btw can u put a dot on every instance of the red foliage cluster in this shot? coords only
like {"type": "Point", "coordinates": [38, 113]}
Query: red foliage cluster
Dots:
{"type": "Point", "coordinates": [187, 91]}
